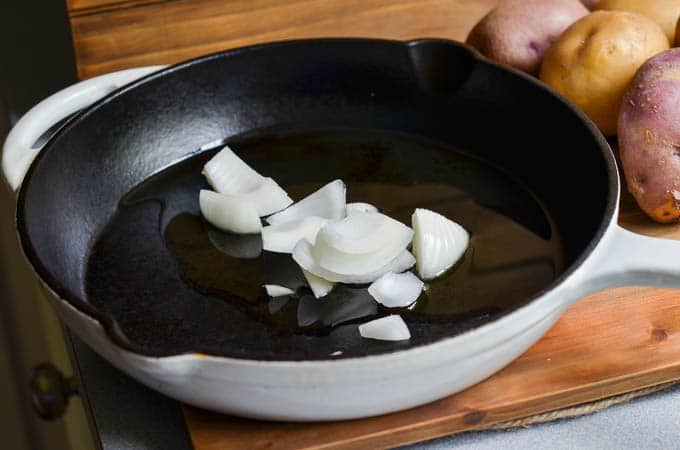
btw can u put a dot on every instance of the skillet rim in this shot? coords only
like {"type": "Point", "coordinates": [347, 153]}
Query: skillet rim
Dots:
{"type": "Point", "coordinates": [108, 322]}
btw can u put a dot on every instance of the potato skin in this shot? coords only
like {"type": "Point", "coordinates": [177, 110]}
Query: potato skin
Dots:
{"type": "Point", "coordinates": [663, 12]}
{"type": "Point", "coordinates": [595, 59]}
{"type": "Point", "coordinates": [649, 137]}
{"type": "Point", "coordinates": [677, 33]}
{"type": "Point", "coordinates": [518, 32]}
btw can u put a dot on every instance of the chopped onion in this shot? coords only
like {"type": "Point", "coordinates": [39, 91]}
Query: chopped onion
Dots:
{"type": "Point", "coordinates": [268, 198]}
{"type": "Point", "coordinates": [328, 203]}
{"type": "Point", "coordinates": [354, 264]}
{"type": "Point", "coordinates": [319, 286]}
{"type": "Point", "coordinates": [281, 238]}
{"type": "Point", "coordinates": [396, 290]}
{"type": "Point", "coordinates": [229, 174]}
{"type": "Point", "coordinates": [437, 244]}
{"type": "Point", "coordinates": [365, 233]}
{"type": "Point", "coordinates": [302, 254]}
{"type": "Point", "coordinates": [359, 207]}
{"type": "Point", "coordinates": [229, 212]}
{"type": "Point", "coordinates": [274, 290]}
{"type": "Point", "coordinates": [360, 243]}
{"type": "Point", "coordinates": [389, 328]}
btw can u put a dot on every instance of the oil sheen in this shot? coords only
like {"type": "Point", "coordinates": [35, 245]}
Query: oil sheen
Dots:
{"type": "Point", "coordinates": [173, 283]}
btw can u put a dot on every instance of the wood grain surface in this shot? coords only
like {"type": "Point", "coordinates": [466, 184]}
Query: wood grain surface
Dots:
{"type": "Point", "coordinates": [83, 7]}
{"type": "Point", "coordinates": [141, 33]}
{"type": "Point", "coordinates": [607, 344]}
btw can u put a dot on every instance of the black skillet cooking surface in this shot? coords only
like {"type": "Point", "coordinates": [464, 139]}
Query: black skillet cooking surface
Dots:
{"type": "Point", "coordinates": [109, 212]}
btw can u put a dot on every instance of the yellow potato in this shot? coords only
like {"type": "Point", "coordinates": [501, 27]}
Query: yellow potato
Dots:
{"type": "Point", "coordinates": [663, 12]}
{"type": "Point", "coordinates": [595, 59]}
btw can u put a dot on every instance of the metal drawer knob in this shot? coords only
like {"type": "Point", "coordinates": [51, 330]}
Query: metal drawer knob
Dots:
{"type": "Point", "coordinates": [50, 391]}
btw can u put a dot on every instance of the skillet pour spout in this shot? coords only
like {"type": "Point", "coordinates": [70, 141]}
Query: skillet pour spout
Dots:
{"type": "Point", "coordinates": [440, 94]}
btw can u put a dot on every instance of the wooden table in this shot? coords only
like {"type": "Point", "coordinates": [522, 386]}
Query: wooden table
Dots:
{"type": "Point", "coordinates": [117, 34]}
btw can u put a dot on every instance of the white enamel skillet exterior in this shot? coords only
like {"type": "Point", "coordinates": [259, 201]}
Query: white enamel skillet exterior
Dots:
{"type": "Point", "coordinates": [353, 387]}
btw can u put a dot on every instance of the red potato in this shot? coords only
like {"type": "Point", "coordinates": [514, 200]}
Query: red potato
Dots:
{"type": "Point", "coordinates": [519, 32]}
{"type": "Point", "coordinates": [649, 136]}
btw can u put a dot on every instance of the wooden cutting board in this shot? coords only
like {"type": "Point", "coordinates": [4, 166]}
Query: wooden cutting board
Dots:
{"type": "Point", "coordinates": [607, 344]}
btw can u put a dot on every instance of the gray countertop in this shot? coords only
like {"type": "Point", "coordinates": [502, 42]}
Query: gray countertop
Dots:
{"type": "Point", "coordinates": [126, 415]}
{"type": "Point", "coordinates": [651, 422]}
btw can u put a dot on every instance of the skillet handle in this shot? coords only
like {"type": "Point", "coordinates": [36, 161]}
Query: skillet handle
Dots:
{"type": "Point", "coordinates": [631, 259]}
{"type": "Point", "coordinates": [18, 151]}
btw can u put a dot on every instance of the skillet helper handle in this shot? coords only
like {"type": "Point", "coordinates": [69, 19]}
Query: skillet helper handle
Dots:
{"type": "Point", "coordinates": [51, 391]}
{"type": "Point", "coordinates": [633, 259]}
{"type": "Point", "coordinates": [18, 151]}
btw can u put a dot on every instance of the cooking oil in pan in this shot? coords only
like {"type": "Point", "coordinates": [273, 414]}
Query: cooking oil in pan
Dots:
{"type": "Point", "coordinates": [172, 281]}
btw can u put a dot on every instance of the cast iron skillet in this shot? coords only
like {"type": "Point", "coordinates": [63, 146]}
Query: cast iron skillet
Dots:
{"type": "Point", "coordinates": [431, 89]}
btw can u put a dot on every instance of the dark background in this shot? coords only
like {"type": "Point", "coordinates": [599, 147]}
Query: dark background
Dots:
{"type": "Point", "coordinates": [36, 59]}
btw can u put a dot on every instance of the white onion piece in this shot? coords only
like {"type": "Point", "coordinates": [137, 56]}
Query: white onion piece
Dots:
{"type": "Point", "coordinates": [361, 243]}
{"type": "Point", "coordinates": [365, 233]}
{"type": "Point", "coordinates": [302, 254]}
{"type": "Point", "coordinates": [396, 290]}
{"type": "Point", "coordinates": [274, 290]}
{"type": "Point", "coordinates": [229, 174]}
{"type": "Point", "coordinates": [281, 238]}
{"type": "Point", "coordinates": [328, 202]}
{"type": "Point", "coordinates": [268, 198]}
{"type": "Point", "coordinates": [319, 286]}
{"type": "Point", "coordinates": [389, 328]}
{"type": "Point", "coordinates": [437, 244]}
{"type": "Point", "coordinates": [229, 212]}
{"type": "Point", "coordinates": [359, 207]}
{"type": "Point", "coordinates": [355, 264]}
